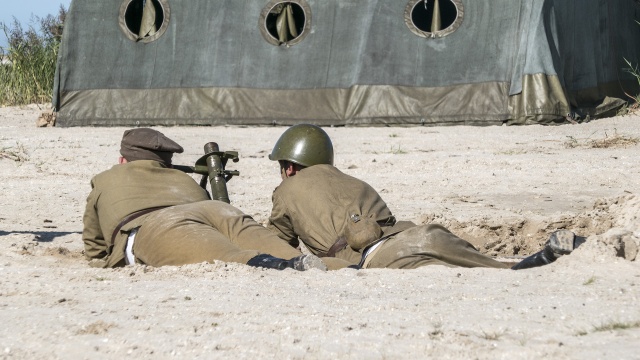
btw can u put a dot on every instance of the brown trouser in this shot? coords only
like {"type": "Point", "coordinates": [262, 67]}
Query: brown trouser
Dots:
{"type": "Point", "coordinates": [428, 245]}
{"type": "Point", "coordinates": [205, 231]}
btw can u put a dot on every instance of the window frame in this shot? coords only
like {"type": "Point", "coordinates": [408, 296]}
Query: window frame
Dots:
{"type": "Point", "coordinates": [438, 34]}
{"type": "Point", "coordinates": [266, 10]}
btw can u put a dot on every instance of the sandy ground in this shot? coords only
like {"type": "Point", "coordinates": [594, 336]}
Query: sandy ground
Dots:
{"type": "Point", "coordinates": [503, 188]}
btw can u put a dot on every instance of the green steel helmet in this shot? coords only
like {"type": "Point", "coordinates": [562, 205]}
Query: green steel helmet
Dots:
{"type": "Point", "coordinates": [304, 144]}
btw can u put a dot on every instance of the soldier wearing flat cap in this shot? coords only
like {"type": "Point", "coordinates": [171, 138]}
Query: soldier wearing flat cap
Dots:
{"type": "Point", "coordinates": [144, 211]}
{"type": "Point", "coordinates": [148, 144]}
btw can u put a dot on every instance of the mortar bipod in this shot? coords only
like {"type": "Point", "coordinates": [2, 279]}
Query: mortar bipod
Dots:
{"type": "Point", "coordinates": [212, 166]}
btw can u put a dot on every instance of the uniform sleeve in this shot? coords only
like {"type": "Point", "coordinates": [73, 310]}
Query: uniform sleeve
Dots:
{"type": "Point", "coordinates": [95, 246]}
{"type": "Point", "coordinates": [280, 223]}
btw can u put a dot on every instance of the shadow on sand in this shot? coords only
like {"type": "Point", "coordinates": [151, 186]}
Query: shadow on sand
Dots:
{"type": "Point", "coordinates": [42, 236]}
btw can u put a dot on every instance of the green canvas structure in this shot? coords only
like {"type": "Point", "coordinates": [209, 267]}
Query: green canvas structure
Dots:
{"type": "Point", "coordinates": [344, 62]}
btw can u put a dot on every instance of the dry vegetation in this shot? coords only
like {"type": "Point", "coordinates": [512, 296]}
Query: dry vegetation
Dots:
{"type": "Point", "coordinates": [614, 141]}
{"type": "Point", "coordinates": [17, 153]}
{"type": "Point", "coordinates": [29, 62]}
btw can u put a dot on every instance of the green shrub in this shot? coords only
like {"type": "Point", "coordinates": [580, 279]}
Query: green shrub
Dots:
{"type": "Point", "coordinates": [633, 70]}
{"type": "Point", "coordinates": [28, 69]}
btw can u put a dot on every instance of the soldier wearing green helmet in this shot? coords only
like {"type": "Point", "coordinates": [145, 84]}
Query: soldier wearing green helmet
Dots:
{"type": "Point", "coordinates": [338, 216]}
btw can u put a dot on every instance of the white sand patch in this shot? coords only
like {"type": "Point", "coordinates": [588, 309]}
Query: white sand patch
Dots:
{"type": "Point", "coordinates": [503, 188]}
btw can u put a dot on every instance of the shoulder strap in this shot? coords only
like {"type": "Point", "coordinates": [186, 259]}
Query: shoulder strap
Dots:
{"type": "Point", "coordinates": [340, 244]}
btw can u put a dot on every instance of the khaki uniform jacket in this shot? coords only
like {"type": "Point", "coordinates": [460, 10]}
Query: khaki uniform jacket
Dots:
{"type": "Point", "coordinates": [316, 204]}
{"type": "Point", "coordinates": [123, 190]}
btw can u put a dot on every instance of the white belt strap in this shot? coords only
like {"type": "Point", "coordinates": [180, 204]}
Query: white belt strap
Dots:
{"type": "Point", "coordinates": [129, 259]}
{"type": "Point", "coordinates": [367, 254]}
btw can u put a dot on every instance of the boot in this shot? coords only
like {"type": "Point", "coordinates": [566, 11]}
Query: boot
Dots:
{"type": "Point", "coordinates": [561, 242]}
{"type": "Point", "coordinates": [300, 263]}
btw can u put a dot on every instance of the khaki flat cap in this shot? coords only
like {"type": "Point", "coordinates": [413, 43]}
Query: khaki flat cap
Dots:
{"type": "Point", "coordinates": [148, 144]}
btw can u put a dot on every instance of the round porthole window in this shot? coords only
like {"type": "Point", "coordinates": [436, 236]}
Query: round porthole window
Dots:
{"type": "Point", "coordinates": [433, 18]}
{"type": "Point", "coordinates": [144, 20]}
{"type": "Point", "coordinates": [285, 22]}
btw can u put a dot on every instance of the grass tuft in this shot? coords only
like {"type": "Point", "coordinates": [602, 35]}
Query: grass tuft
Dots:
{"type": "Point", "coordinates": [616, 325]}
{"type": "Point", "coordinates": [396, 150]}
{"type": "Point", "coordinates": [611, 326]}
{"type": "Point", "coordinates": [614, 141]}
{"type": "Point", "coordinates": [493, 335]}
{"type": "Point", "coordinates": [17, 154]}
{"type": "Point", "coordinates": [635, 105]}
